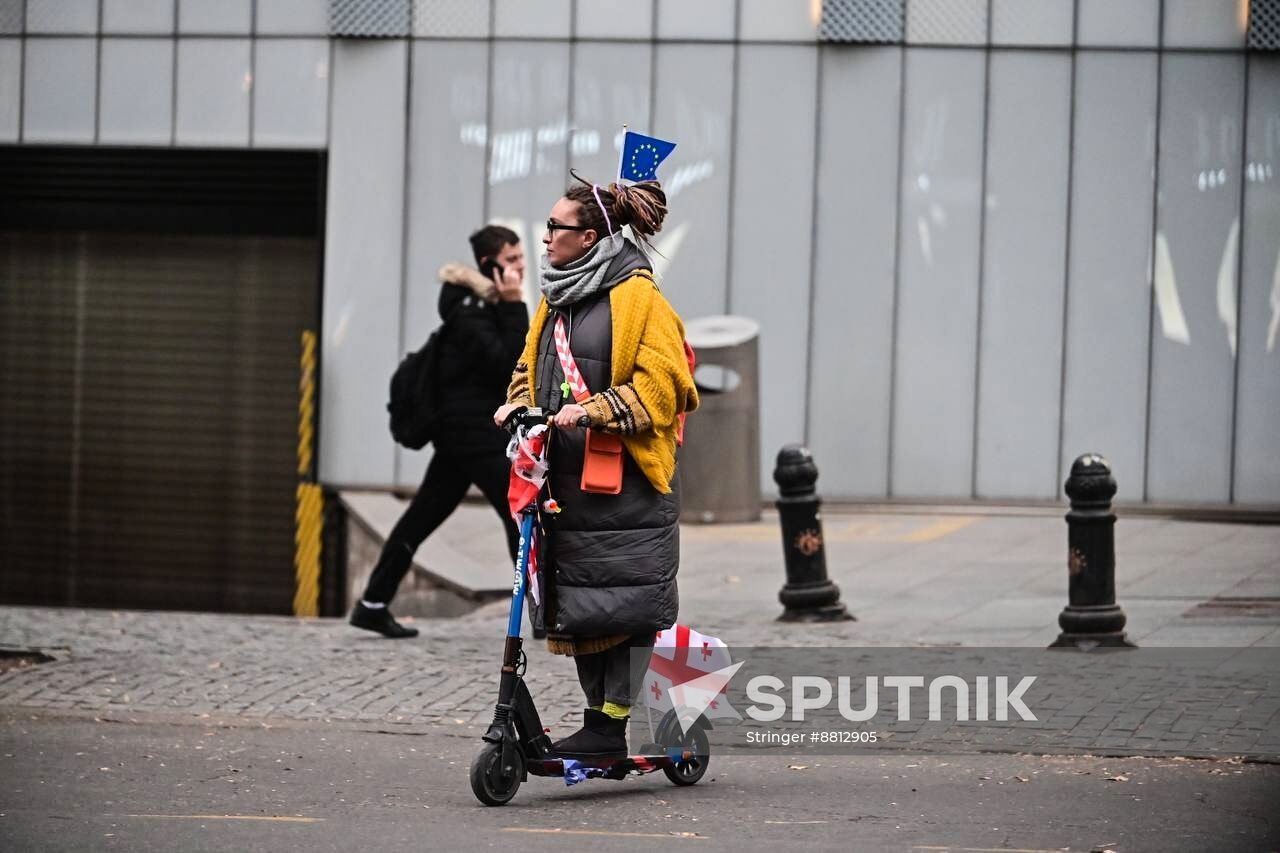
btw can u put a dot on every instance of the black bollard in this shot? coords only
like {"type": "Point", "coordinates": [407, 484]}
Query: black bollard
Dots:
{"type": "Point", "coordinates": [1091, 618]}
{"type": "Point", "coordinates": [808, 595]}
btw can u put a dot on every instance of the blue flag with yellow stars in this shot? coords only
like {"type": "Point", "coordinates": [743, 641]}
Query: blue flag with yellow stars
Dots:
{"type": "Point", "coordinates": [641, 156]}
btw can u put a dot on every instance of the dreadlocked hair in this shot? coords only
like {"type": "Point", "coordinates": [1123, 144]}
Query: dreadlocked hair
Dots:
{"type": "Point", "coordinates": [643, 206]}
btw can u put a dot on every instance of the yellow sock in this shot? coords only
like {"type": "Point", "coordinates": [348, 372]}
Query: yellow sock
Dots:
{"type": "Point", "coordinates": [595, 707]}
{"type": "Point", "coordinates": [616, 711]}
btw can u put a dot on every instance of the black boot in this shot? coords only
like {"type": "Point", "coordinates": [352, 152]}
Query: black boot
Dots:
{"type": "Point", "coordinates": [601, 736]}
{"type": "Point", "coordinates": [379, 619]}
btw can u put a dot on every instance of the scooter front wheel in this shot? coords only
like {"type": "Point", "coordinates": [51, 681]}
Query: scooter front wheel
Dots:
{"type": "Point", "coordinates": [694, 743]}
{"type": "Point", "coordinates": [493, 783]}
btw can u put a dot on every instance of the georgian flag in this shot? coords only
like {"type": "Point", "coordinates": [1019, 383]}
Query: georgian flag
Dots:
{"type": "Point", "coordinates": [689, 672]}
{"type": "Point", "coordinates": [528, 473]}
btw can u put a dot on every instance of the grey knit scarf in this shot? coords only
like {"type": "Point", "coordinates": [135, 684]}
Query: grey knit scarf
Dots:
{"type": "Point", "coordinates": [609, 262]}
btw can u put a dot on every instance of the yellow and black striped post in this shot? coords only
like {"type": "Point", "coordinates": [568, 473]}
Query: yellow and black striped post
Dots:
{"type": "Point", "coordinates": [309, 512]}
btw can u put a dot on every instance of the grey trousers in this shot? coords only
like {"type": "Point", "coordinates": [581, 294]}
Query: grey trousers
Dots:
{"type": "Point", "coordinates": [615, 675]}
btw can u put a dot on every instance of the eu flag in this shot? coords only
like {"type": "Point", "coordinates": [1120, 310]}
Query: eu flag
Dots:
{"type": "Point", "coordinates": [641, 156]}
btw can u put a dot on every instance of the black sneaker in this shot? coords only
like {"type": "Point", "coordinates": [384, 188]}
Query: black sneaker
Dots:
{"type": "Point", "coordinates": [380, 620]}
{"type": "Point", "coordinates": [600, 737]}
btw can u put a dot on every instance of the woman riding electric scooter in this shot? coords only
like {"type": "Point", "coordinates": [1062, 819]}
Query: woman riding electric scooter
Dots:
{"type": "Point", "coordinates": [605, 345]}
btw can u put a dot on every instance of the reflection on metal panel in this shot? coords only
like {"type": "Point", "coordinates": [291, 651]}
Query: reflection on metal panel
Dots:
{"type": "Point", "coordinates": [1193, 371]}
{"type": "Point", "coordinates": [935, 349]}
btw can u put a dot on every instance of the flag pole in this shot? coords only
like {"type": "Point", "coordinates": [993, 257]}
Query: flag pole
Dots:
{"type": "Point", "coordinates": [621, 150]}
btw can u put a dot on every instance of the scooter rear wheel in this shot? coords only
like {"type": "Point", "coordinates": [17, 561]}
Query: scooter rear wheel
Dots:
{"type": "Point", "coordinates": [493, 784]}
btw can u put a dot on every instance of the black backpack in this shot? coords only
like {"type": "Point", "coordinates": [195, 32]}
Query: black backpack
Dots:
{"type": "Point", "coordinates": [414, 405]}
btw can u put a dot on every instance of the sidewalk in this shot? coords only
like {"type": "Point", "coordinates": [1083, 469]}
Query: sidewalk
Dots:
{"type": "Point", "coordinates": [911, 580]}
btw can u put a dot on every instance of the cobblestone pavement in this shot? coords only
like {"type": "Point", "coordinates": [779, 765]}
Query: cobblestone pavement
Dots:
{"type": "Point", "coordinates": [136, 665]}
{"type": "Point", "coordinates": [933, 581]}
{"type": "Point", "coordinates": [259, 667]}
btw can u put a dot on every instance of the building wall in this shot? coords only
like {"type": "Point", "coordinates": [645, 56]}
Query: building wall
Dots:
{"type": "Point", "coordinates": [1010, 232]}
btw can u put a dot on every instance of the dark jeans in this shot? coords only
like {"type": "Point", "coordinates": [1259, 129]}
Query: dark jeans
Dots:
{"type": "Point", "coordinates": [445, 484]}
{"type": "Point", "coordinates": [615, 675]}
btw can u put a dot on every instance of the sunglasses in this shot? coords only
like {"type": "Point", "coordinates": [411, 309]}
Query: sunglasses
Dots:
{"type": "Point", "coordinates": [553, 227]}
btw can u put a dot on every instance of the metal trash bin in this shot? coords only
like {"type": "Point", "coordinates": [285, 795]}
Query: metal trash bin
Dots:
{"type": "Point", "coordinates": [720, 459]}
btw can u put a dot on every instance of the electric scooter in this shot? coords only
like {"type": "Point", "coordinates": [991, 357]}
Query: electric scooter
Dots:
{"type": "Point", "coordinates": [516, 744]}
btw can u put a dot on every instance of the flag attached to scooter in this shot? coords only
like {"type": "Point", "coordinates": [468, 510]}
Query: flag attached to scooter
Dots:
{"type": "Point", "coordinates": [528, 474]}
{"type": "Point", "coordinates": [689, 672]}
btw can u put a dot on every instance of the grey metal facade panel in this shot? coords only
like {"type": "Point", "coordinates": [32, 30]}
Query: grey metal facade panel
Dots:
{"type": "Point", "coordinates": [1108, 23]}
{"type": "Point", "coordinates": [215, 78]}
{"type": "Point", "coordinates": [693, 105]}
{"type": "Point", "coordinates": [448, 97]}
{"type": "Point", "coordinates": [135, 97]}
{"type": "Point", "coordinates": [962, 22]}
{"type": "Point", "coordinates": [10, 88]}
{"type": "Point", "coordinates": [138, 17]}
{"type": "Point", "coordinates": [610, 88]}
{"type": "Point", "coordinates": [11, 16]}
{"type": "Point", "coordinates": [290, 93]}
{"type": "Point", "coordinates": [63, 17]}
{"type": "Point", "coordinates": [1257, 453]}
{"type": "Point", "coordinates": [853, 275]}
{"type": "Point", "coordinates": [1205, 23]}
{"type": "Point", "coordinates": [451, 18]}
{"type": "Point", "coordinates": [363, 260]}
{"type": "Point", "coordinates": [1024, 257]}
{"type": "Point", "coordinates": [1194, 333]}
{"type": "Point", "coordinates": [614, 19]}
{"type": "Point", "coordinates": [771, 21]}
{"type": "Point", "coordinates": [291, 17]}
{"type": "Point", "coordinates": [530, 134]}
{"type": "Point", "coordinates": [370, 18]}
{"type": "Point", "coordinates": [1264, 25]}
{"type": "Point", "coordinates": [215, 17]}
{"type": "Point", "coordinates": [771, 241]}
{"type": "Point", "coordinates": [706, 19]}
{"type": "Point", "coordinates": [533, 18]}
{"type": "Point", "coordinates": [937, 313]}
{"type": "Point", "coordinates": [1109, 285]}
{"type": "Point", "coordinates": [1028, 23]}
{"type": "Point", "coordinates": [862, 21]}
{"type": "Point", "coordinates": [59, 84]}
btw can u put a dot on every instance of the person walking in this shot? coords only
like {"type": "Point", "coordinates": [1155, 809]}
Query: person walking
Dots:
{"type": "Point", "coordinates": [606, 345]}
{"type": "Point", "coordinates": [485, 323]}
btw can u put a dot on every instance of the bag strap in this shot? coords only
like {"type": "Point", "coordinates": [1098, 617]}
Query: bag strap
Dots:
{"type": "Point", "coordinates": [573, 380]}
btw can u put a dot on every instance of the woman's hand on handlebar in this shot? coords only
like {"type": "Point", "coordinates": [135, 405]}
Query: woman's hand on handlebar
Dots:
{"type": "Point", "coordinates": [504, 412]}
{"type": "Point", "coordinates": [571, 417]}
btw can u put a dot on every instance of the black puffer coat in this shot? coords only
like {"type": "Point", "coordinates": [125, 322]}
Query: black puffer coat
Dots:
{"type": "Point", "coordinates": [479, 346]}
{"type": "Point", "coordinates": [610, 560]}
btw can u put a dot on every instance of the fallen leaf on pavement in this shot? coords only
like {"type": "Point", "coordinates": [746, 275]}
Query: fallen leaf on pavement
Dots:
{"type": "Point", "coordinates": [1118, 778]}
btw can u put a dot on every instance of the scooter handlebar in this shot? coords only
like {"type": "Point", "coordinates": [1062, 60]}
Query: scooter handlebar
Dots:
{"type": "Point", "coordinates": [528, 418]}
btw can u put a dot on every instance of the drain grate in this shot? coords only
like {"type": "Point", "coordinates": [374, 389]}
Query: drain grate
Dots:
{"type": "Point", "coordinates": [1249, 607]}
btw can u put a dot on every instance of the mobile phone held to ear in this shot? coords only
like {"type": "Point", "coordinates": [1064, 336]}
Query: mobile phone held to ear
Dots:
{"type": "Point", "coordinates": [488, 267]}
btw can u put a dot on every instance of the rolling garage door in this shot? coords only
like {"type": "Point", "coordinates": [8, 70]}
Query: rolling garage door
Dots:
{"type": "Point", "coordinates": [152, 305]}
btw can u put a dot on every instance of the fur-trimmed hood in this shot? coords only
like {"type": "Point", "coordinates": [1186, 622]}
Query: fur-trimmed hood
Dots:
{"type": "Point", "coordinates": [471, 278]}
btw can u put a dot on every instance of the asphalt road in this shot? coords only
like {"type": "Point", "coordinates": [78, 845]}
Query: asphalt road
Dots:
{"type": "Point", "coordinates": [71, 784]}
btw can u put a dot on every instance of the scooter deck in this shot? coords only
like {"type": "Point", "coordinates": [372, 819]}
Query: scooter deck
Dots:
{"type": "Point", "coordinates": [612, 768]}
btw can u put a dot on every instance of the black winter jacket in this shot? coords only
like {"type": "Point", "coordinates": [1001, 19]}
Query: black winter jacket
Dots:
{"type": "Point", "coordinates": [612, 559]}
{"type": "Point", "coordinates": [479, 346]}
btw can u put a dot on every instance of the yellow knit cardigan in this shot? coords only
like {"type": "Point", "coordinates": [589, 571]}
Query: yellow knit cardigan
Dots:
{"type": "Point", "coordinates": [648, 352]}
